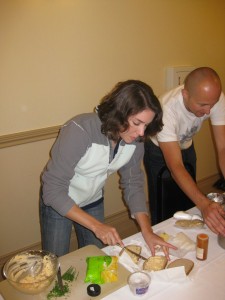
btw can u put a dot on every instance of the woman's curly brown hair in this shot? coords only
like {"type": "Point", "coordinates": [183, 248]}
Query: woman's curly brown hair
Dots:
{"type": "Point", "coordinates": [126, 99]}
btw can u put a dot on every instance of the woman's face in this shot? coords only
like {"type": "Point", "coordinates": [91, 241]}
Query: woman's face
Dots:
{"type": "Point", "coordinates": [137, 125]}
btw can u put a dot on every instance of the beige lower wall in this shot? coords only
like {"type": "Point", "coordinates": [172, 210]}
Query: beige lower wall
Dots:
{"type": "Point", "coordinates": [20, 171]}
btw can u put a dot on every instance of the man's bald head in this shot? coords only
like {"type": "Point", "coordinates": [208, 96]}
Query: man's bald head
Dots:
{"type": "Point", "coordinates": [202, 79]}
{"type": "Point", "coordinates": [202, 89]}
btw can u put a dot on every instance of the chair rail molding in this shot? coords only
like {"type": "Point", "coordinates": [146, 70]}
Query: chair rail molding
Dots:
{"type": "Point", "coordinates": [30, 136]}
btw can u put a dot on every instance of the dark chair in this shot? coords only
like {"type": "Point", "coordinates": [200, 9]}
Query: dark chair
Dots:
{"type": "Point", "coordinates": [170, 198]}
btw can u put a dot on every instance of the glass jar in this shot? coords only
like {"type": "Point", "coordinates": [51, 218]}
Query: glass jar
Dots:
{"type": "Point", "coordinates": [202, 246]}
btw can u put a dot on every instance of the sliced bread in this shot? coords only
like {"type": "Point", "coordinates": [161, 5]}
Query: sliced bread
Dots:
{"type": "Point", "coordinates": [187, 263]}
{"type": "Point", "coordinates": [155, 263]}
{"type": "Point", "coordinates": [134, 248]}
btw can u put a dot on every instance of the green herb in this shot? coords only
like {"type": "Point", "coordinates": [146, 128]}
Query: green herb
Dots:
{"type": "Point", "coordinates": [69, 276]}
{"type": "Point", "coordinates": [57, 291]}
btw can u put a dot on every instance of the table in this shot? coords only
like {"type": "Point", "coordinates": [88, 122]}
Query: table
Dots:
{"type": "Point", "coordinates": [208, 282]}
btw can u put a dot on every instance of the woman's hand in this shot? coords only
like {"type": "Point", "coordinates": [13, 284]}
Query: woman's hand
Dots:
{"type": "Point", "coordinates": [152, 239]}
{"type": "Point", "coordinates": [107, 234]}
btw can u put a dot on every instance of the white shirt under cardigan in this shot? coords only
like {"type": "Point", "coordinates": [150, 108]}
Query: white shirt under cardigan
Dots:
{"type": "Point", "coordinates": [180, 124]}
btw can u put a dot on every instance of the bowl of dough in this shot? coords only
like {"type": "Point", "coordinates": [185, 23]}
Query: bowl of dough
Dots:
{"type": "Point", "coordinates": [32, 271]}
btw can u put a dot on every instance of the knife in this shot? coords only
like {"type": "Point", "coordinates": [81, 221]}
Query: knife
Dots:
{"type": "Point", "coordinates": [133, 252]}
{"type": "Point", "coordinates": [59, 276]}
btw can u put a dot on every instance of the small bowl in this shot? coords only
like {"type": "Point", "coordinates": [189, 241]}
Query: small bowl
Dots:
{"type": "Point", "coordinates": [32, 271]}
{"type": "Point", "coordinates": [139, 283]}
{"type": "Point", "coordinates": [216, 197]}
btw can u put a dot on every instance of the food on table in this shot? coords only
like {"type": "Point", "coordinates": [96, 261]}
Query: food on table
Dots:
{"type": "Point", "coordinates": [155, 263]}
{"type": "Point", "coordinates": [189, 224]}
{"type": "Point", "coordinates": [32, 271]}
{"type": "Point", "coordinates": [69, 276]}
{"type": "Point", "coordinates": [134, 248]}
{"type": "Point", "coordinates": [165, 236]}
{"type": "Point", "coordinates": [182, 215]}
{"type": "Point", "coordinates": [187, 263]}
{"type": "Point", "coordinates": [101, 269]}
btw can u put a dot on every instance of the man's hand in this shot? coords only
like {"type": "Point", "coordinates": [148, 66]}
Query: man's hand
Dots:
{"type": "Point", "coordinates": [213, 215]}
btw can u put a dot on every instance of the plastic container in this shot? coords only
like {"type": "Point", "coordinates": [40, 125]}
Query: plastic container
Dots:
{"type": "Point", "coordinates": [139, 283]}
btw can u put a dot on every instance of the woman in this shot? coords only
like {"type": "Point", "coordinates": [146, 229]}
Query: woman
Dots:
{"type": "Point", "coordinates": [88, 149]}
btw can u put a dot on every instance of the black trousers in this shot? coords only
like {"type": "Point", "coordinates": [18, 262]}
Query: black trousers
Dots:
{"type": "Point", "coordinates": [165, 197]}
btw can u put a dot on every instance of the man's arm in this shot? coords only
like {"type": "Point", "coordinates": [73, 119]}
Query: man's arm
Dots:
{"type": "Point", "coordinates": [211, 211]}
{"type": "Point", "coordinates": [219, 136]}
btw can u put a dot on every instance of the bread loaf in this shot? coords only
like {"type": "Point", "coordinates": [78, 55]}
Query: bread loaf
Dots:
{"type": "Point", "coordinates": [155, 263]}
{"type": "Point", "coordinates": [134, 248]}
{"type": "Point", "coordinates": [187, 263]}
{"type": "Point", "coordinates": [189, 223]}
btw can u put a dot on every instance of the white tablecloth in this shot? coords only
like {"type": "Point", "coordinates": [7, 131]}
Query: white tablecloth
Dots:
{"type": "Point", "coordinates": [208, 281]}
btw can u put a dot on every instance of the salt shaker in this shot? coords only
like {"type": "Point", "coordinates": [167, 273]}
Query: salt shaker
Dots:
{"type": "Point", "coordinates": [202, 246]}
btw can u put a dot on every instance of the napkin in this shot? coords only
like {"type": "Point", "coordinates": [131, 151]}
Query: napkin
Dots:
{"type": "Point", "coordinates": [175, 275]}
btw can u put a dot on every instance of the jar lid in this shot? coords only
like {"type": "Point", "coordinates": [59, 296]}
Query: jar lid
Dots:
{"type": "Point", "coordinates": [93, 290]}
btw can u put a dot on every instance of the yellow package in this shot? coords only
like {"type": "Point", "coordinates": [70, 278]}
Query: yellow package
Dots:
{"type": "Point", "coordinates": [101, 269]}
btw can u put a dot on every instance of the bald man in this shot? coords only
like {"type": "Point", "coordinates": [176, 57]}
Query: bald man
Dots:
{"type": "Point", "coordinates": [184, 110]}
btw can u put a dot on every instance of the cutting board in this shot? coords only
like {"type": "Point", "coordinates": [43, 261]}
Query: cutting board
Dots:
{"type": "Point", "coordinates": [78, 260]}
{"type": "Point", "coordinates": [78, 288]}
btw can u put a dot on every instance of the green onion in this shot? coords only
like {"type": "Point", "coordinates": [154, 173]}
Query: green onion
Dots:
{"type": "Point", "coordinates": [69, 276]}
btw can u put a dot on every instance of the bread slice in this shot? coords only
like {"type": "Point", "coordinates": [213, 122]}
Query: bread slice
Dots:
{"type": "Point", "coordinates": [134, 248]}
{"type": "Point", "coordinates": [187, 263]}
{"type": "Point", "coordinates": [155, 263]}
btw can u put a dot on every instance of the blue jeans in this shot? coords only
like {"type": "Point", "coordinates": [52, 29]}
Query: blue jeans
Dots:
{"type": "Point", "coordinates": [56, 229]}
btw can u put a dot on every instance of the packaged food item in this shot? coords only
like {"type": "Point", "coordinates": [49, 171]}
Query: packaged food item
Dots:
{"type": "Point", "coordinates": [101, 269]}
{"type": "Point", "coordinates": [139, 283]}
{"type": "Point", "coordinates": [183, 243]}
